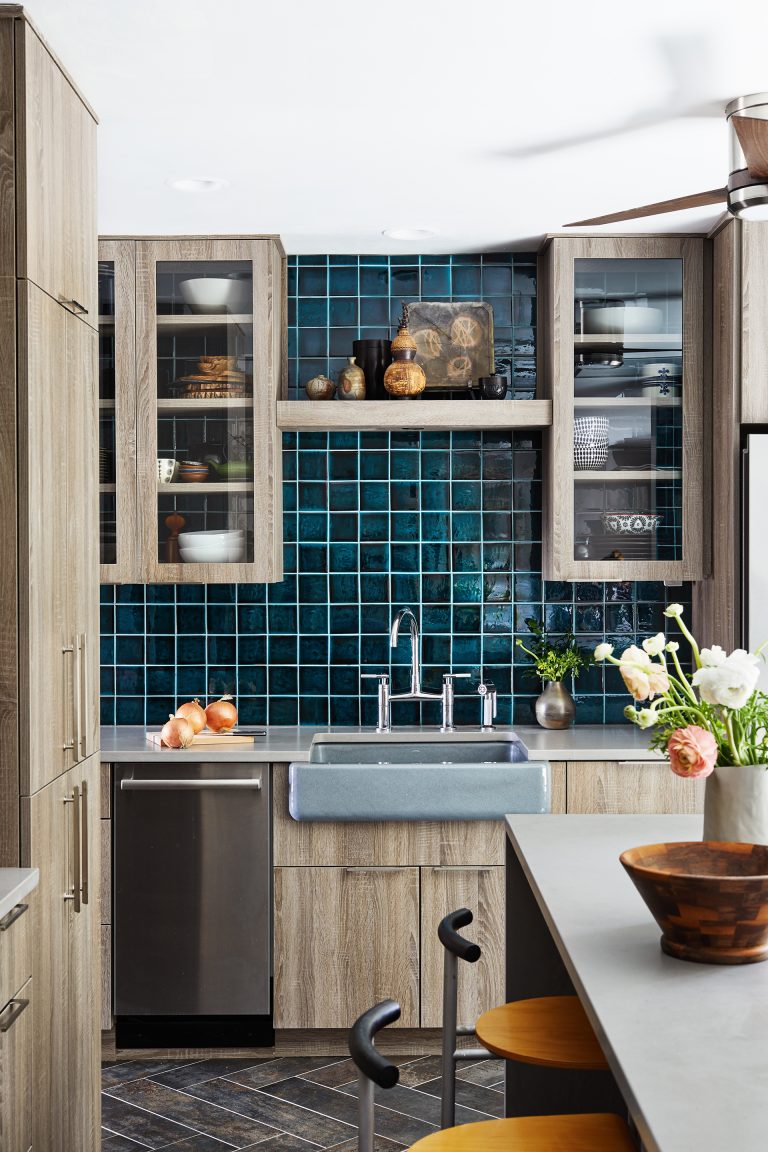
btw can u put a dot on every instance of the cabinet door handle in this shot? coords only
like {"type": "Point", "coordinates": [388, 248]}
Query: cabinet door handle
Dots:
{"type": "Point", "coordinates": [16, 1008]}
{"type": "Point", "coordinates": [84, 697]}
{"type": "Point", "coordinates": [84, 841]}
{"type": "Point", "coordinates": [460, 868]}
{"type": "Point", "coordinates": [14, 915]}
{"type": "Point", "coordinates": [74, 895]}
{"type": "Point", "coordinates": [67, 650]}
{"type": "Point", "coordinates": [73, 306]}
{"type": "Point", "coordinates": [76, 699]}
{"type": "Point", "coordinates": [376, 868]}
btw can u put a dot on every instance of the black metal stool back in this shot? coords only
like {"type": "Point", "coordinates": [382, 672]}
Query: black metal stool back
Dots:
{"type": "Point", "coordinates": [373, 1068]}
{"type": "Point", "coordinates": [456, 948]}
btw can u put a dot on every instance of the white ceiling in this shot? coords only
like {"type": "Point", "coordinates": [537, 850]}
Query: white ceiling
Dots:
{"type": "Point", "coordinates": [491, 122]}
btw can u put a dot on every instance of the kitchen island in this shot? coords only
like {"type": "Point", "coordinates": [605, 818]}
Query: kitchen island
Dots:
{"type": "Point", "coordinates": [686, 1043]}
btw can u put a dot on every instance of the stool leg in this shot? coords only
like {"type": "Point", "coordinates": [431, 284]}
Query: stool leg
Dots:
{"type": "Point", "coordinates": [450, 1012]}
{"type": "Point", "coordinates": [365, 1109]}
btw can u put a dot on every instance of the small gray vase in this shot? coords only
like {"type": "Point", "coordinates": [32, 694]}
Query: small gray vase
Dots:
{"type": "Point", "coordinates": [555, 707]}
{"type": "Point", "coordinates": [736, 804]}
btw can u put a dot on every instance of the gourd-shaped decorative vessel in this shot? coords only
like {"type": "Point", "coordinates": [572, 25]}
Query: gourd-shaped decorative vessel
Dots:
{"type": "Point", "coordinates": [351, 381]}
{"type": "Point", "coordinates": [404, 378]}
{"type": "Point", "coordinates": [320, 388]}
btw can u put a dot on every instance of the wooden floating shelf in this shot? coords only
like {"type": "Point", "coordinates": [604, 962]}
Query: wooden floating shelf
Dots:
{"type": "Point", "coordinates": [206, 320]}
{"type": "Point", "coordinates": [399, 415]}
{"type": "Point", "coordinates": [620, 475]}
{"type": "Point", "coordinates": [206, 487]}
{"type": "Point", "coordinates": [640, 341]}
{"type": "Point", "coordinates": [628, 402]}
{"type": "Point", "coordinates": [189, 404]}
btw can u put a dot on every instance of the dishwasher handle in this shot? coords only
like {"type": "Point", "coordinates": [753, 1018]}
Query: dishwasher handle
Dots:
{"type": "Point", "coordinates": [130, 785]}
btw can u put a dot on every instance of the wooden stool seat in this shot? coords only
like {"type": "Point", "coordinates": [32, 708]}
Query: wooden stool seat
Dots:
{"type": "Point", "coordinates": [550, 1030]}
{"type": "Point", "coordinates": [592, 1132]}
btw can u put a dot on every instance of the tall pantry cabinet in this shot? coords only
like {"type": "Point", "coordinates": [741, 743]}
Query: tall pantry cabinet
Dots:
{"type": "Point", "coordinates": [49, 736]}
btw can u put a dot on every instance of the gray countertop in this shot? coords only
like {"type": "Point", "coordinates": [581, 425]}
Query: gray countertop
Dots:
{"type": "Point", "coordinates": [686, 1042]}
{"type": "Point", "coordinates": [586, 742]}
{"type": "Point", "coordinates": [15, 884]}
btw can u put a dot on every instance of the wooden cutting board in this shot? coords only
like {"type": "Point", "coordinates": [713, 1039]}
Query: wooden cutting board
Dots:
{"type": "Point", "coordinates": [209, 738]}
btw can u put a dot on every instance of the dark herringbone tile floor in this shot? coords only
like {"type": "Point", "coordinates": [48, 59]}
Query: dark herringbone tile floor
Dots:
{"type": "Point", "coordinates": [286, 1104]}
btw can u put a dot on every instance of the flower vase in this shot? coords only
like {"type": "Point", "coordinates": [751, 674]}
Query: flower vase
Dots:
{"type": "Point", "coordinates": [555, 708]}
{"type": "Point", "coordinates": [736, 804]}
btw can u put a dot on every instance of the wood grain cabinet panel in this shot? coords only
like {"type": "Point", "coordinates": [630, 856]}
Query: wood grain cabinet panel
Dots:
{"type": "Point", "coordinates": [345, 938]}
{"type": "Point", "coordinates": [631, 787]}
{"type": "Point", "coordinates": [56, 179]}
{"type": "Point", "coordinates": [16, 1099]}
{"type": "Point", "coordinates": [481, 985]}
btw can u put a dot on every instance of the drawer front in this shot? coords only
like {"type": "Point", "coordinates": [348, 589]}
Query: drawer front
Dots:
{"type": "Point", "coordinates": [15, 958]}
{"type": "Point", "coordinates": [16, 1069]}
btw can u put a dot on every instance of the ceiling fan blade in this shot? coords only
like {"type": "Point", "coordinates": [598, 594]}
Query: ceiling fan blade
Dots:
{"type": "Point", "coordinates": [697, 200]}
{"type": "Point", "coordinates": [753, 137]}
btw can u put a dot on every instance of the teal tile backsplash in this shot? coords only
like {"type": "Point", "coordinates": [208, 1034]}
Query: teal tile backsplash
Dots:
{"type": "Point", "coordinates": [449, 523]}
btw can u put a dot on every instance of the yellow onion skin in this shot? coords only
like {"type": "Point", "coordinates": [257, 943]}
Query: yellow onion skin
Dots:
{"type": "Point", "coordinates": [194, 713]}
{"type": "Point", "coordinates": [221, 715]}
{"type": "Point", "coordinates": [177, 733]}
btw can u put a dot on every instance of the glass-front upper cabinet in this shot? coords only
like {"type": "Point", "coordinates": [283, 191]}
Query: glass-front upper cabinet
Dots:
{"type": "Point", "coordinates": [201, 449]}
{"type": "Point", "coordinates": [623, 363]}
{"type": "Point", "coordinates": [117, 412]}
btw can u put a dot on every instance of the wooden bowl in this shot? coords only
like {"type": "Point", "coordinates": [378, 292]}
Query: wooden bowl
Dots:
{"type": "Point", "coordinates": [709, 899]}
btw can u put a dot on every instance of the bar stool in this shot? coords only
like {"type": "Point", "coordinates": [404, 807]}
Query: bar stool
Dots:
{"type": "Point", "coordinates": [552, 1031]}
{"type": "Point", "coordinates": [595, 1132]}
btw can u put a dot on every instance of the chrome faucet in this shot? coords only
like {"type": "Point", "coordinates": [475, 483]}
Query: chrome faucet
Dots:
{"type": "Point", "coordinates": [415, 692]}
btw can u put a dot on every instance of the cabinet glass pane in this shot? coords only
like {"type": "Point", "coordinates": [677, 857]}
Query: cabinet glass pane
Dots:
{"type": "Point", "coordinates": [205, 411]}
{"type": "Point", "coordinates": [628, 397]}
{"type": "Point", "coordinates": [107, 498]}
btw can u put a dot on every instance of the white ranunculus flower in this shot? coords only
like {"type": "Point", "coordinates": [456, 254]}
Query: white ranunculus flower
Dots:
{"type": "Point", "coordinates": [672, 646]}
{"type": "Point", "coordinates": [654, 645]}
{"type": "Point", "coordinates": [730, 683]}
{"type": "Point", "coordinates": [713, 657]}
{"type": "Point", "coordinates": [673, 610]}
{"type": "Point", "coordinates": [602, 652]}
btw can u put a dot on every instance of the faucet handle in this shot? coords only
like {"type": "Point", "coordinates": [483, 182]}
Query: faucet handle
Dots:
{"type": "Point", "coordinates": [383, 677]}
{"type": "Point", "coordinates": [449, 677]}
{"type": "Point", "coordinates": [487, 692]}
{"type": "Point", "coordinates": [486, 688]}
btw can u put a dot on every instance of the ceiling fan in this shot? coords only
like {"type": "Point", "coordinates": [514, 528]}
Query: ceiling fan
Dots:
{"type": "Point", "coordinates": [745, 194]}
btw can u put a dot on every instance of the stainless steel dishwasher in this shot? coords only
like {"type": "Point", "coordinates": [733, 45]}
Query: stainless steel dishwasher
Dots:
{"type": "Point", "coordinates": [192, 892]}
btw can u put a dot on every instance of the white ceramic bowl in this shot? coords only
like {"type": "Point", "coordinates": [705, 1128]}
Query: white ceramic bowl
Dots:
{"type": "Point", "coordinates": [212, 547]}
{"type": "Point", "coordinates": [216, 294]}
{"type": "Point", "coordinates": [613, 321]}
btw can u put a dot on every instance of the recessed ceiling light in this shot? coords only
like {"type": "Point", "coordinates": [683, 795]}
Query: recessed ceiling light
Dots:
{"type": "Point", "coordinates": [408, 233]}
{"type": "Point", "coordinates": [209, 184]}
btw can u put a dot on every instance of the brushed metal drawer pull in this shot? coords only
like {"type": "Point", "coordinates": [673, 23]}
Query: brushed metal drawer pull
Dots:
{"type": "Point", "coordinates": [14, 915]}
{"type": "Point", "coordinates": [130, 785]}
{"type": "Point", "coordinates": [74, 306]}
{"type": "Point", "coordinates": [17, 1007]}
{"type": "Point", "coordinates": [85, 845]}
{"type": "Point", "coordinates": [74, 800]}
{"type": "Point", "coordinates": [461, 868]}
{"type": "Point", "coordinates": [377, 868]}
{"type": "Point", "coordinates": [69, 650]}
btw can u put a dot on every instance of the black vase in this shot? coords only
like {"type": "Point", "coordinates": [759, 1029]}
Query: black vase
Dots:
{"type": "Point", "coordinates": [373, 356]}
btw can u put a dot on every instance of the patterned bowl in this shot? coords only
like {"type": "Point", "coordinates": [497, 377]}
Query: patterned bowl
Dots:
{"type": "Point", "coordinates": [193, 471]}
{"type": "Point", "coordinates": [709, 899]}
{"type": "Point", "coordinates": [166, 470]}
{"type": "Point", "coordinates": [631, 523]}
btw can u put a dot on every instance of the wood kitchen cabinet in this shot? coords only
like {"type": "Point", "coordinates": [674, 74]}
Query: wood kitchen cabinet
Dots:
{"type": "Point", "coordinates": [55, 177]}
{"type": "Point", "coordinates": [630, 787]}
{"type": "Point", "coordinates": [16, 1007]}
{"type": "Point", "coordinates": [62, 822]}
{"type": "Point", "coordinates": [192, 361]}
{"type": "Point", "coordinates": [622, 359]}
{"type": "Point", "coordinates": [481, 985]}
{"type": "Point", "coordinates": [345, 938]}
{"type": "Point", "coordinates": [49, 635]}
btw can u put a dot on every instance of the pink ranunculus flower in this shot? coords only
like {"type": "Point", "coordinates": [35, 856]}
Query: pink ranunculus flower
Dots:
{"type": "Point", "coordinates": [643, 677]}
{"type": "Point", "coordinates": [692, 751]}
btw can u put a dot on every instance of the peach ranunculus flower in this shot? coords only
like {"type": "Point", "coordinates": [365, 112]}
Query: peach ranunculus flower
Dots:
{"type": "Point", "coordinates": [643, 677]}
{"type": "Point", "coordinates": [692, 751]}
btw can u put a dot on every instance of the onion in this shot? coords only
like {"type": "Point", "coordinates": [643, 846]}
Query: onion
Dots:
{"type": "Point", "coordinates": [194, 713]}
{"type": "Point", "coordinates": [221, 716]}
{"type": "Point", "coordinates": [177, 733]}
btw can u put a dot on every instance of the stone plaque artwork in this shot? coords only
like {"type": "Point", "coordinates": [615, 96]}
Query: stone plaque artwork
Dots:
{"type": "Point", "coordinates": [454, 341]}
